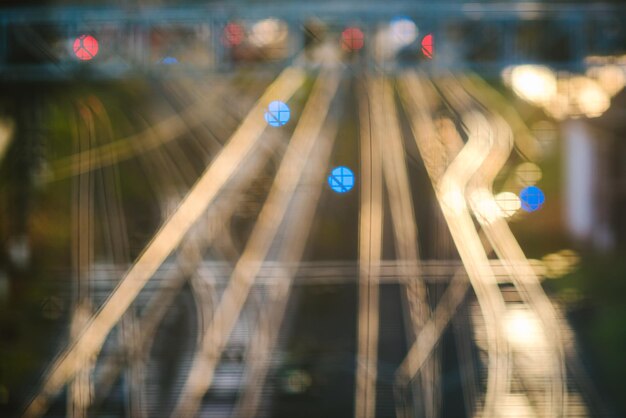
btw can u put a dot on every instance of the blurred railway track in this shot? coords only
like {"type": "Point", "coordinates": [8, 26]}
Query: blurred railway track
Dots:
{"type": "Point", "coordinates": [245, 287]}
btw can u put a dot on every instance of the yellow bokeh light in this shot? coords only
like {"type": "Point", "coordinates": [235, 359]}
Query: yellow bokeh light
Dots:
{"type": "Point", "coordinates": [509, 203]}
{"type": "Point", "coordinates": [560, 263]}
{"type": "Point", "coordinates": [268, 32]}
{"type": "Point", "coordinates": [528, 174]}
{"type": "Point", "coordinates": [566, 95]}
{"type": "Point", "coordinates": [610, 77]}
{"type": "Point", "coordinates": [534, 83]}
{"type": "Point", "coordinates": [591, 99]}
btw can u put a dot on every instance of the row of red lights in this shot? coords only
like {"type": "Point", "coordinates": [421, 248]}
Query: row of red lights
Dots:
{"type": "Point", "coordinates": [86, 46]}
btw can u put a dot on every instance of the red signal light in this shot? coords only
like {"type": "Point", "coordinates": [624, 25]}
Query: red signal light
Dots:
{"type": "Point", "coordinates": [352, 39]}
{"type": "Point", "coordinates": [85, 47]}
{"type": "Point", "coordinates": [233, 34]}
{"type": "Point", "coordinates": [428, 47]}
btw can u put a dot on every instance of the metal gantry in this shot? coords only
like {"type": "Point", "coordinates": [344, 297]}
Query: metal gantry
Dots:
{"type": "Point", "coordinates": [139, 42]}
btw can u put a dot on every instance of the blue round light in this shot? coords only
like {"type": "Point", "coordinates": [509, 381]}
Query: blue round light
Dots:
{"type": "Point", "coordinates": [277, 113]}
{"type": "Point", "coordinates": [532, 198]}
{"type": "Point", "coordinates": [169, 60]}
{"type": "Point", "coordinates": [341, 179]}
